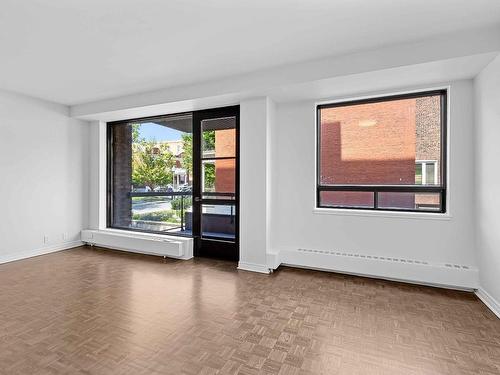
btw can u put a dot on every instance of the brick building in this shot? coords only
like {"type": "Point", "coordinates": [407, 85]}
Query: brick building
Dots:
{"type": "Point", "coordinates": [225, 170]}
{"type": "Point", "coordinates": [387, 143]}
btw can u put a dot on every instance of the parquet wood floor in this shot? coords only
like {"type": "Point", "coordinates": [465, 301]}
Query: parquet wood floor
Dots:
{"type": "Point", "coordinates": [93, 311]}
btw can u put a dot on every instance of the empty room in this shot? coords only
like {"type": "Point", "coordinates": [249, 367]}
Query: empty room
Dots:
{"type": "Point", "coordinates": [250, 187]}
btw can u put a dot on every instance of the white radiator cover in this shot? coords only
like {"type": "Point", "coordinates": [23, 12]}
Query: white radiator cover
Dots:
{"type": "Point", "coordinates": [445, 275]}
{"type": "Point", "coordinates": [144, 243]}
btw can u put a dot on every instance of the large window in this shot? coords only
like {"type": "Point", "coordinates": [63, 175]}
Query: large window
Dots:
{"type": "Point", "coordinates": [383, 153]}
{"type": "Point", "coordinates": [175, 174]}
{"type": "Point", "coordinates": [150, 174]}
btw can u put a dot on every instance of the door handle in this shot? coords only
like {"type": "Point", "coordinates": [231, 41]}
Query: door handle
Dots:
{"type": "Point", "coordinates": [197, 199]}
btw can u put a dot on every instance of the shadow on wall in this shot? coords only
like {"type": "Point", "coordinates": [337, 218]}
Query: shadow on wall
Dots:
{"type": "Point", "coordinates": [391, 171]}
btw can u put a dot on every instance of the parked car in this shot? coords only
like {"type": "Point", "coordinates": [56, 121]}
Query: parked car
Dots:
{"type": "Point", "coordinates": [163, 189]}
{"type": "Point", "coordinates": [144, 189]}
{"type": "Point", "coordinates": [185, 188]}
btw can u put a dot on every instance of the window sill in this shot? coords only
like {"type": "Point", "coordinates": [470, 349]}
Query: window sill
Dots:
{"type": "Point", "coordinates": [383, 214]}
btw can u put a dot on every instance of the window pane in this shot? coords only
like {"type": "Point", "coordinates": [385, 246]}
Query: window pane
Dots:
{"type": "Point", "coordinates": [348, 199]}
{"type": "Point", "coordinates": [379, 143]}
{"type": "Point", "coordinates": [219, 137]}
{"type": "Point", "coordinates": [409, 201]}
{"type": "Point", "coordinates": [418, 174]}
{"type": "Point", "coordinates": [160, 213]}
{"type": "Point", "coordinates": [218, 221]}
{"type": "Point", "coordinates": [150, 157]}
{"type": "Point", "coordinates": [208, 174]}
{"type": "Point", "coordinates": [430, 169]}
{"type": "Point", "coordinates": [219, 176]}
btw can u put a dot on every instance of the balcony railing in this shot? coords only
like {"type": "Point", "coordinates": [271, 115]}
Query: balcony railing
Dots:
{"type": "Point", "coordinates": [155, 220]}
{"type": "Point", "coordinates": [183, 195]}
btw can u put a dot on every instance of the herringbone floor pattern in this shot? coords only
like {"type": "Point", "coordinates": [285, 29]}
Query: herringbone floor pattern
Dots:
{"type": "Point", "coordinates": [88, 311]}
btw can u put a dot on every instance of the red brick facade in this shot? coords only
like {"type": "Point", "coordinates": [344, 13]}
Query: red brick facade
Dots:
{"type": "Point", "coordinates": [225, 170]}
{"type": "Point", "coordinates": [377, 143]}
{"type": "Point", "coordinates": [122, 175]}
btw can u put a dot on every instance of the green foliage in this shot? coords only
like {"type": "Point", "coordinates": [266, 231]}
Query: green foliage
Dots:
{"type": "Point", "coordinates": [136, 128]}
{"type": "Point", "coordinates": [209, 140]}
{"type": "Point", "coordinates": [209, 177]}
{"type": "Point", "coordinates": [176, 203]}
{"type": "Point", "coordinates": [166, 216]}
{"type": "Point", "coordinates": [152, 164]}
{"type": "Point", "coordinates": [187, 153]}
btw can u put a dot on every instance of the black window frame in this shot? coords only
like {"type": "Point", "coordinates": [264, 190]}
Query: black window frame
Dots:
{"type": "Point", "coordinates": [375, 189]}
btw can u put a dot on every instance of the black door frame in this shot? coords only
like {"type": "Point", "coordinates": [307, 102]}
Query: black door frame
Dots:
{"type": "Point", "coordinates": [212, 247]}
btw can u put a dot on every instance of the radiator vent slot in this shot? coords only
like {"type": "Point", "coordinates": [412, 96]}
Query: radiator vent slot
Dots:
{"type": "Point", "coordinates": [382, 258]}
{"type": "Point", "coordinates": [456, 266]}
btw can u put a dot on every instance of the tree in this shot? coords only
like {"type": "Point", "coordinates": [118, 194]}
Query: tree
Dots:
{"type": "Point", "coordinates": [152, 164]}
{"type": "Point", "coordinates": [187, 154]}
{"type": "Point", "coordinates": [136, 132]}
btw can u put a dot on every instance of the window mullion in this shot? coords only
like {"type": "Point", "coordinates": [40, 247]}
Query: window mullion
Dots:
{"type": "Point", "coordinates": [424, 173]}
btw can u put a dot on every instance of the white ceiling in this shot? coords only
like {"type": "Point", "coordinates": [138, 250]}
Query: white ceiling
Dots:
{"type": "Point", "coordinates": [76, 51]}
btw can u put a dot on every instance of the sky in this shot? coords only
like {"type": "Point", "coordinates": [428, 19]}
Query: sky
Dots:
{"type": "Point", "coordinates": [150, 131]}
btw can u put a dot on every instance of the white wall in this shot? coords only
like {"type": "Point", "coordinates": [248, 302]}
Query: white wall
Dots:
{"type": "Point", "coordinates": [43, 177]}
{"type": "Point", "coordinates": [487, 95]}
{"type": "Point", "coordinates": [295, 225]}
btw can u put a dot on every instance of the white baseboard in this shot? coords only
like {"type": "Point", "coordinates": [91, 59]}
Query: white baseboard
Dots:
{"type": "Point", "coordinates": [40, 251]}
{"type": "Point", "coordinates": [405, 270]}
{"type": "Point", "coordinates": [489, 301]}
{"type": "Point", "coordinates": [253, 267]}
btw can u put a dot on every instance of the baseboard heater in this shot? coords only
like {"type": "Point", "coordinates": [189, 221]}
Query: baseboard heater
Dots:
{"type": "Point", "coordinates": [144, 243]}
{"type": "Point", "coordinates": [452, 276]}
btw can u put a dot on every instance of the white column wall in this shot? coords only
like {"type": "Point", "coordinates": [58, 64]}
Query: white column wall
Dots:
{"type": "Point", "coordinates": [255, 139]}
{"type": "Point", "coordinates": [97, 175]}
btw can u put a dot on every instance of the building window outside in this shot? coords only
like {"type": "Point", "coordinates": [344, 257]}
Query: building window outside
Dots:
{"type": "Point", "coordinates": [426, 172]}
{"type": "Point", "coordinates": [383, 153]}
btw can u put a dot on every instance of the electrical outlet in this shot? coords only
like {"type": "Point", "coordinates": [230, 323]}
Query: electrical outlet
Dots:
{"type": "Point", "coordinates": [45, 239]}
